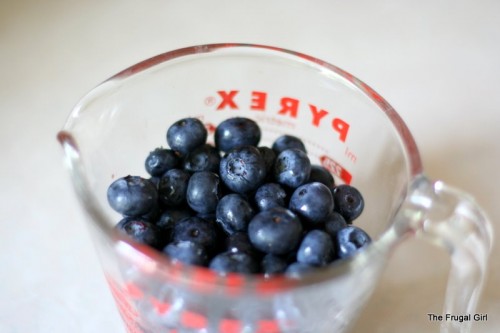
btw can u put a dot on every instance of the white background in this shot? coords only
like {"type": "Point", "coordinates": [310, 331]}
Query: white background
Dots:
{"type": "Point", "coordinates": [436, 61]}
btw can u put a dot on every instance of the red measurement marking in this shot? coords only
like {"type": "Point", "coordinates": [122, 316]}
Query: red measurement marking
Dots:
{"type": "Point", "coordinates": [335, 168]}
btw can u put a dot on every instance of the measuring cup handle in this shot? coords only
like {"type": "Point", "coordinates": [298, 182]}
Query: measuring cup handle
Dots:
{"type": "Point", "coordinates": [449, 218]}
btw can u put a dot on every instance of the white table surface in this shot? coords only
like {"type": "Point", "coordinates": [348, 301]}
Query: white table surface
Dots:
{"type": "Point", "coordinates": [436, 62]}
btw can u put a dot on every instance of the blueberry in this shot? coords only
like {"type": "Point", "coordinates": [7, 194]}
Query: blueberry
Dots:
{"type": "Point", "coordinates": [292, 168]}
{"type": "Point", "coordinates": [132, 195]}
{"type": "Point", "coordinates": [272, 264]}
{"type": "Point", "coordinates": [202, 158]}
{"type": "Point", "coordinates": [234, 213]}
{"type": "Point", "coordinates": [173, 187]}
{"type": "Point", "coordinates": [170, 216]}
{"type": "Point", "coordinates": [276, 230]}
{"type": "Point", "coordinates": [316, 249]}
{"type": "Point", "coordinates": [234, 262]}
{"type": "Point", "coordinates": [270, 195]}
{"type": "Point", "coordinates": [196, 230]}
{"type": "Point", "coordinates": [286, 141]}
{"type": "Point", "coordinates": [348, 202]}
{"type": "Point", "coordinates": [142, 231]}
{"type": "Point", "coordinates": [322, 175]}
{"type": "Point", "coordinates": [333, 223]}
{"type": "Point", "coordinates": [269, 156]}
{"type": "Point", "coordinates": [243, 169]}
{"type": "Point", "coordinates": [203, 191]}
{"type": "Point", "coordinates": [236, 132]}
{"type": "Point", "coordinates": [220, 233]}
{"type": "Point", "coordinates": [297, 269]}
{"type": "Point", "coordinates": [153, 215]}
{"type": "Point", "coordinates": [187, 252]}
{"type": "Point", "coordinates": [210, 217]}
{"type": "Point", "coordinates": [186, 134]}
{"type": "Point", "coordinates": [313, 202]}
{"type": "Point", "coordinates": [155, 181]}
{"type": "Point", "coordinates": [160, 161]}
{"type": "Point", "coordinates": [239, 242]}
{"type": "Point", "coordinates": [350, 240]}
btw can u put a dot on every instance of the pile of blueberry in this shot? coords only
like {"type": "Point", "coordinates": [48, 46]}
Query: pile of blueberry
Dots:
{"type": "Point", "coordinates": [236, 206]}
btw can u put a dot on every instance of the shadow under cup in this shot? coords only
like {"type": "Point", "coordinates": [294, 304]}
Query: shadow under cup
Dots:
{"type": "Point", "coordinates": [346, 126]}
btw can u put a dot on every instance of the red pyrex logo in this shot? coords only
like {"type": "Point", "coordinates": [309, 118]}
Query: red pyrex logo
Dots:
{"type": "Point", "coordinates": [287, 106]}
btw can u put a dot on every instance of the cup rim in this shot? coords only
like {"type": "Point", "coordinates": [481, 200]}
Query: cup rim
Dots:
{"type": "Point", "coordinates": [202, 276]}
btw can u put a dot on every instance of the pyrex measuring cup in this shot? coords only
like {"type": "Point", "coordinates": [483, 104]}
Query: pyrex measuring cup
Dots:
{"type": "Point", "coordinates": [347, 127]}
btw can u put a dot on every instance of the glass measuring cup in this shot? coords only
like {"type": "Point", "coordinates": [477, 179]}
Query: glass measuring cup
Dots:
{"type": "Point", "coordinates": [347, 127]}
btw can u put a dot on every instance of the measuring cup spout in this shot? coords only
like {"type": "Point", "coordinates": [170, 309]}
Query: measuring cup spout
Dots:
{"type": "Point", "coordinates": [452, 220]}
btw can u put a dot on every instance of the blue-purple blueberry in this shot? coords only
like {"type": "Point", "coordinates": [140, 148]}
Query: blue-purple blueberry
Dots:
{"type": "Point", "coordinates": [313, 202]}
{"type": "Point", "coordinates": [203, 191]}
{"type": "Point", "coordinates": [234, 262]}
{"type": "Point", "coordinates": [173, 187]}
{"type": "Point", "coordinates": [202, 158]}
{"type": "Point", "coordinates": [316, 249]}
{"type": "Point", "coordinates": [240, 242]}
{"type": "Point", "coordinates": [350, 240]}
{"type": "Point", "coordinates": [333, 223]}
{"type": "Point", "coordinates": [196, 230]}
{"type": "Point", "coordinates": [186, 134]}
{"type": "Point", "coordinates": [236, 132]}
{"type": "Point", "coordinates": [187, 252]}
{"type": "Point", "coordinates": [276, 230]}
{"type": "Point", "coordinates": [142, 231]}
{"type": "Point", "coordinates": [348, 202]}
{"type": "Point", "coordinates": [292, 168]}
{"type": "Point", "coordinates": [132, 195]}
{"type": "Point", "coordinates": [320, 174]}
{"type": "Point", "coordinates": [287, 141]}
{"type": "Point", "coordinates": [243, 169]}
{"type": "Point", "coordinates": [170, 216]}
{"type": "Point", "coordinates": [270, 195]}
{"type": "Point", "coordinates": [272, 264]}
{"type": "Point", "coordinates": [296, 270]}
{"type": "Point", "coordinates": [234, 213]}
{"type": "Point", "coordinates": [269, 157]}
{"type": "Point", "coordinates": [160, 161]}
